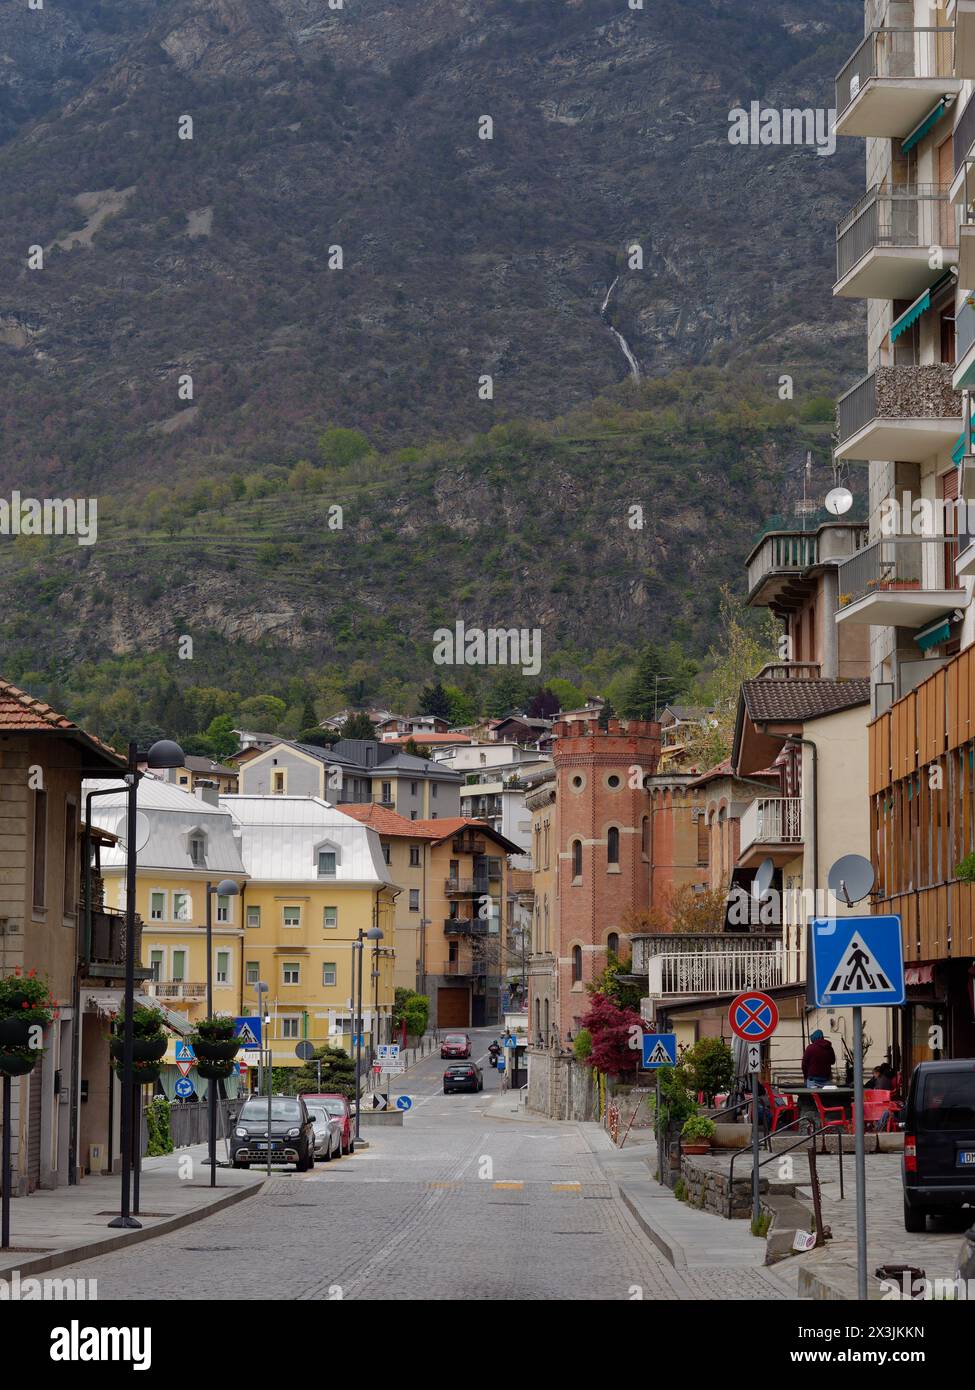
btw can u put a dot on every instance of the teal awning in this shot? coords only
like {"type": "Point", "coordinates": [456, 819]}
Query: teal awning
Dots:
{"type": "Point", "coordinates": [919, 131]}
{"type": "Point", "coordinates": [958, 451]}
{"type": "Point", "coordinates": [932, 635]}
{"type": "Point", "coordinates": [910, 315]}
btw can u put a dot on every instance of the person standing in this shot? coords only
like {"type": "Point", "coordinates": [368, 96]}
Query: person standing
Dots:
{"type": "Point", "coordinates": [818, 1061]}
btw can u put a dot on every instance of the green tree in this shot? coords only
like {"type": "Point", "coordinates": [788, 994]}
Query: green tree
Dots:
{"type": "Point", "coordinates": [661, 676]}
{"type": "Point", "coordinates": [609, 983]}
{"type": "Point", "coordinates": [709, 1066]}
{"type": "Point", "coordinates": [435, 700]}
{"type": "Point", "coordinates": [463, 707]}
{"type": "Point", "coordinates": [265, 712]}
{"type": "Point", "coordinates": [358, 725]}
{"type": "Point", "coordinates": [568, 695]}
{"type": "Point", "coordinates": [309, 719]}
{"type": "Point", "coordinates": [342, 446]}
{"type": "Point", "coordinates": [743, 648]}
{"type": "Point", "coordinates": [509, 691]}
{"type": "Point", "coordinates": [220, 732]}
{"type": "Point", "coordinates": [338, 1072]}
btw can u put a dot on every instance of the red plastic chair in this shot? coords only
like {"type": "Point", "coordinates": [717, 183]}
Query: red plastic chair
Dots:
{"type": "Point", "coordinates": [780, 1106]}
{"type": "Point", "coordinates": [825, 1111]}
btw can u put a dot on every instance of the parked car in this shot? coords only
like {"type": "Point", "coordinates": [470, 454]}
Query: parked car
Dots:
{"type": "Point", "coordinates": [455, 1045]}
{"type": "Point", "coordinates": [328, 1131]}
{"type": "Point", "coordinates": [291, 1138]}
{"type": "Point", "coordinates": [339, 1106]}
{"type": "Point", "coordinates": [463, 1078]}
{"type": "Point", "coordinates": [939, 1141]}
{"type": "Point", "coordinates": [966, 1259]}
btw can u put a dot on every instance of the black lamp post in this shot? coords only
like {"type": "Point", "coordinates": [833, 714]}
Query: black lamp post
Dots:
{"type": "Point", "coordinates": [226, 888]}
{"type": "Point", "coordinates": [163, 754]}
{"type": "Point", "coordinates": [373, 934]}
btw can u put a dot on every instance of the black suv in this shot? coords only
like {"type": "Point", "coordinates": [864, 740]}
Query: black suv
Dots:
{"type": "Point", "coordinates": [463, 1077]}
{"type": "Point", "coordinates": [291, 1137]}
{"type": "Point", "coordinates": [939, 1141]}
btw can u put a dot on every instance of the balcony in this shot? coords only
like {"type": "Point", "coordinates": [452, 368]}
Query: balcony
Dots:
{"type": "Point", "coordinates": [962, 14]}
{"type": "Point", "coordinates": [771, 828]}
{"type": "Point", "coordinates": [902, 413]}
{"type": "Point", "coordinates": [900, 581]}
{"type": "Point", "coordinates": [107, 939]}
{"type": "Point", "coordinates": [470, 968]}
{"type": "Point", "coordinates": [465, 887]}
{"type": "Point", "coordinates": [893, 81]}
{"type": "Point", "coordinates": [883, 244]}
{"type": "Point", "coordinates": [776, 562]}
{"type": "Point", "coordinates": [649, 944]}
{"type": "Point", "coordinates": [175, 989]}
{"type": "Point", "coordinates": [714, 972]}
{"type": "Point", "coordinates": [465, 926]}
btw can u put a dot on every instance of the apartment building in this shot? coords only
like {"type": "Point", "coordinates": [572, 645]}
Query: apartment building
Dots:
{"type": "Point", "coordinates": [906, 250]}
{"type": "Point", "coordinates": [189, 841]}
{"type": "Point", "coordinates": [315, 878]}
{"type": "Point", "coordinates": [355, 771]}
{"type": "Point", "coordinates": [43, 759]}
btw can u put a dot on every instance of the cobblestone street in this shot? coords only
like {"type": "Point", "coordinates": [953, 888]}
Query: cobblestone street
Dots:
{"type": "Point", "coordinates": [453, 1205]}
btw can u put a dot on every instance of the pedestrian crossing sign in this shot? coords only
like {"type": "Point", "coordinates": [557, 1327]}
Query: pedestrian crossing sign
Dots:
{"type": "Point", "coordinates": [659, 1050]}
{"type": "Point", "coordinates": [856, 961]}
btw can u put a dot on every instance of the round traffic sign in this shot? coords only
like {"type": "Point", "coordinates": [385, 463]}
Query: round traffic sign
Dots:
{"type": "Point", "coordinates": [753, 1016]}
{"type": "Point", "coordinates": [304, 1051]}
{"type": "Point", "coordinates": [184, 1087]}
{"type": "Point", "coordinates": [404, 1102]}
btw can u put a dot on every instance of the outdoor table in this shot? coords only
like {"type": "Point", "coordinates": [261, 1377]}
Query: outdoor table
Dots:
{"type": "Point", "coordinates": [831, 1096]}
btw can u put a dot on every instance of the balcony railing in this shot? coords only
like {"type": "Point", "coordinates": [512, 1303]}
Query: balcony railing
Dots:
{"type": "Point", "coordinates": [466, 926]}
{"type": "Point", "coordinates": [772, 820]}
{"type": "Point", "coordinates": [963, 136]}
{"type": "Point", "coordinates": [725, 972]}
{"type": "Point", "coordinates": [913, 218]}
{"type": "Point", "coordinates": [107, 937]}
{"type": "Point", "coordinates": [465, 887]}
{"type": "Point", "coordinates": [175, 989]}
{"type": "Point", "coordinates": [904, 393]}
{"type": "Point", "coordinates": [781, 550]}
{"type": "Point", "coordinates": [892, 53]}
{"type": "Point", "coordinates": [646, 947]}
{"type": "Point", "coordinates": [899, 563]}
{"type": "Point", "coordinates": [789, 671]}
{"type": "Point", "coordinates": [473, 968]}
{"type": "Point", "coordinates": [964, 330]}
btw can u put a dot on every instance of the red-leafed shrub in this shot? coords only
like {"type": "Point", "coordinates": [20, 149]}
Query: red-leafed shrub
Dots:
{"type": "Point", "coordinates": [616, 1036]}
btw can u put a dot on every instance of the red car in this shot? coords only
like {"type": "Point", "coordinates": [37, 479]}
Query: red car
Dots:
{"type": "Point", "coordinates": [455, 1045]}
{"type": "Point", "coordinates": [339, 1107]}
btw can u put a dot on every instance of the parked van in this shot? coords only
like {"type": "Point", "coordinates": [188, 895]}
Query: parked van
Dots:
{"type": "Point", "coordinates": [939, 1141]}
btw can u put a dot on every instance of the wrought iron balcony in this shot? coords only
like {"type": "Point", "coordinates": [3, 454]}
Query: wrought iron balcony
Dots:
{"type": "Point", "coordinates": [465, 887]}
{"type": "Point", "coordinates": [465, 926]}
{"type": "Point", "coordinates": [893, 80]}
{"type": "Point", "coordinates": [771, 827]}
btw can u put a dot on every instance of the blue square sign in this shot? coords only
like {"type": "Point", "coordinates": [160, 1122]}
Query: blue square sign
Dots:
{"type": "Point", "coordinates": [659, 1050]}
{"type": "Point", "coordinates": [856, 961]}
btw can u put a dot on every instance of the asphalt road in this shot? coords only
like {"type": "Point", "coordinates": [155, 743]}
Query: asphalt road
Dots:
{"type": "Point", "coordinates": [456, 1204]}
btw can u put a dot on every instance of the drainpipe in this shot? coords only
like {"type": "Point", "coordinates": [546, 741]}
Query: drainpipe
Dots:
{"type": "Point", "coordinates": [831, 585]}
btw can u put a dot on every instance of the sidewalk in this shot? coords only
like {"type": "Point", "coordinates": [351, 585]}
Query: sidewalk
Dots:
{"type": "Point", "coordinates": [59, 1227]}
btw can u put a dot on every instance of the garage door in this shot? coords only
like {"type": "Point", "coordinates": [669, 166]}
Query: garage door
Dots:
{"type": "Point", "coordinates": [453, 1008]}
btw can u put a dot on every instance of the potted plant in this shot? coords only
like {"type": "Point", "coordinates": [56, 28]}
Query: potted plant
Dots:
{"type": "Point", "coordinates": [213, 1040]}
{"type": "Point", "coordinates": [26, 1006]}
{"type": "Point", "coordinates": [149, 1043]}
{"type": "Point", "coordinates": [696, 1135]}
{"type": "Point", "coordinates": [217, 1069]}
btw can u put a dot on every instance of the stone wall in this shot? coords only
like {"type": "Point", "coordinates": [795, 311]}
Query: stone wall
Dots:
{"type": "Point", "coordinates": [708, 1186]}
{"type": "Point", "coordinates": [917, 393]}
{"type": "Point", "coordinates": [560, 1087]}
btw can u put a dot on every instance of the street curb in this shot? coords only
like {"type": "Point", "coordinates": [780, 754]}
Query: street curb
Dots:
{"type": "Point", "coordinates": [673, 1255]}
{"type": "Point", "coordinates": [56, 1259]}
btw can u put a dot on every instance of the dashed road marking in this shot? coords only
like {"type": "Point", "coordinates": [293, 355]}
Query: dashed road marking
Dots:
{"type": "Point", "coordinates": [516, 1186]}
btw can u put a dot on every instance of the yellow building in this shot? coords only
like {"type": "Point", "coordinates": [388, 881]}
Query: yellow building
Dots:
{"type": "Point", "coordinates": [316, 878]}
{"type": "Point", "coordinates": [188, 841]}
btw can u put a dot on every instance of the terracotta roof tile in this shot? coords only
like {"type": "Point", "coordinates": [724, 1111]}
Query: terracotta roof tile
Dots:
{"type": "Point", "coordinates": [22, 713]}
{"type": "Point", "coordinates": [386, 822]}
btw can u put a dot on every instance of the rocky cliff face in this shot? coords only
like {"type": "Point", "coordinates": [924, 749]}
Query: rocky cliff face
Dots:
{"type": "Point", "coordinates": [320, 133]}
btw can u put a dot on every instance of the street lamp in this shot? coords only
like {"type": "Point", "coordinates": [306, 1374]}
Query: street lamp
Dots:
{"type": "Point", "coordinates": [163, 754]}
{"type": "Point", "coordinates": [226, 888]}
{"type": "Point", "coordinates": [373, 934]}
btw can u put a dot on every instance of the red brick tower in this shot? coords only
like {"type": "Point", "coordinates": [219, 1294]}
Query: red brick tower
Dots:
{"type": "Point", "coordinates": [603, 846]}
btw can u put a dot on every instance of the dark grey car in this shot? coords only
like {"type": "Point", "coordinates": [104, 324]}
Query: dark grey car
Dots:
{"type": "Point", "coordinates": [291, 1138]}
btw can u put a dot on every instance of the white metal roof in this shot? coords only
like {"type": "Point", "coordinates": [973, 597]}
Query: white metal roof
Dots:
{"type": "Point", "coordinates": [280, 837]}
{"type": "Point", "coordinates": [172, 814]}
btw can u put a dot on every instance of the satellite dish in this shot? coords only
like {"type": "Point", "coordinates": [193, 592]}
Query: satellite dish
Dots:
{"type": "Point", "coordinates": [762, 881]}
{"type": "Point", "coordinates": [142, 829]}
{"type": "Point", "coordinates": [839, 500]}
{"type": "Point", "coordinates": [851, 878]}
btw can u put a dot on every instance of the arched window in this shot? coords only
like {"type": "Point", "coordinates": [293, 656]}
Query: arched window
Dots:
{"type": "Point", "coordinates": [612, 845]}
{"type": "Point", "coordinates": [577, 859]}
{"type": "Point", "coordinates": [577, 965]}
{"type": "Point", "coordinates": [613, 944]}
